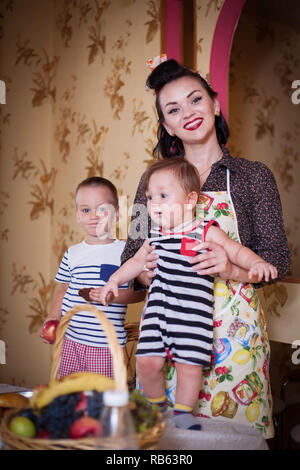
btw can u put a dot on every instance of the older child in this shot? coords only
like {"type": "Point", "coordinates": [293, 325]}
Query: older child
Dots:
{"type": "Point", "coordinates": [178, 316]}
{"type": "Point", "coordinates": [89, 264]}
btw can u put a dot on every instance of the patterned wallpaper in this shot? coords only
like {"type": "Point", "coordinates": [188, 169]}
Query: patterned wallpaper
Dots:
{"type": "Point", "coordinates": [264, 122]}
{"type": "Point", "coordinates": [76, 106]}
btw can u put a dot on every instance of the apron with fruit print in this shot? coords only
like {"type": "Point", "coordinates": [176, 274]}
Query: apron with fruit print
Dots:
{"type": "Point", "coordinates": [236, 387]}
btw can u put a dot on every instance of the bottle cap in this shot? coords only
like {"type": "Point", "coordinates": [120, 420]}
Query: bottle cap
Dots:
{"type": "Point", "coordinates": [115, 398]}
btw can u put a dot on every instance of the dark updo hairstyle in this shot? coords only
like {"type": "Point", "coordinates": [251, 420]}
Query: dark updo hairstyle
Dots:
{"type": "Point", "coordinates": [166, 72]}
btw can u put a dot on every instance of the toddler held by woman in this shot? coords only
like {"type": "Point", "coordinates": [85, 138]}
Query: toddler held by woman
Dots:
{"type": "Point", "coordinates": [178, 315]}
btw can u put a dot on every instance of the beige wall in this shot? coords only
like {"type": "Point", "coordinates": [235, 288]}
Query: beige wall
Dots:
{"type": "Point", "coordinates": [26, 197]}
{"type": "Point", "coordinates": [76, 106]}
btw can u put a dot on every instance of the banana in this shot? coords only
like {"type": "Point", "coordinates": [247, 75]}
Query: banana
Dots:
{"type": "Point", "coordinates": [73, 383]}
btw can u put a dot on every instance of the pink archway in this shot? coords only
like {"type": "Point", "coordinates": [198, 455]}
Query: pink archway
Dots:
{"type": "Point", "coordinates": [173, 29]}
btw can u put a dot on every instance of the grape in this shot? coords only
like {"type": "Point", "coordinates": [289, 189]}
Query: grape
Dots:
{"type": "Point", "coordinates": [29, 413]}
{"type": "Point", "coordinates": [144, 414]}
{"type": "Point", "coordinates": [94, 406]}
{"type": "Point", "coordinates": [59, 415]}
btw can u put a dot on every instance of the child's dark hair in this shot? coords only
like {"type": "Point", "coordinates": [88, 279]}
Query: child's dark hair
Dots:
{"type": "Point", "coordinates": [166, 72]}
{"type": "Point", "coordinates": [183, 170]}
{"type": "Point", "coordinates": [98, 181]}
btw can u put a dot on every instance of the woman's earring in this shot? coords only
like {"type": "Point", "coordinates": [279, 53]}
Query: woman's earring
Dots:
{"type": "Point", "coordinates": [218, 113]}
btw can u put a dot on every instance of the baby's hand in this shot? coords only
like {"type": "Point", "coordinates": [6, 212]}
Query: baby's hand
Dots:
{"type": "Point", "coordinates": [104, 295]}
{"type": "Point", "coordinates": [261, 270]}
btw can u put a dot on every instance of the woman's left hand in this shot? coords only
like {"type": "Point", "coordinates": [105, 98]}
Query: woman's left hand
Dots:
{"type": "Point", "coordinates": [214, 261]}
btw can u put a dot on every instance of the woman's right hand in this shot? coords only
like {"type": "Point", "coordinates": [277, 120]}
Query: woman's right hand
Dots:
{"type": "Point", "coordinates": [213, 261]}
{"type": "Point", "coordinates": [148, 274]}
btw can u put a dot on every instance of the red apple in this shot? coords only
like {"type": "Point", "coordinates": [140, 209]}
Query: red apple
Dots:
{"type": "Point", "coordinates": [86, 426]}
{"type": "Point", "coordinates": [82, 405]}
{"type": "Point", "coordinates": [49, 330]}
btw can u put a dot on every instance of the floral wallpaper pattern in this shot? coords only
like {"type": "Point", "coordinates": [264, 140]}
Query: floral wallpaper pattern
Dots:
{"type": "Point", "coordinates": [76, 107]}
{"type": "Point", "coordinates": [264, 126]}
{"type": "Point", "coordinates": [264, 122]}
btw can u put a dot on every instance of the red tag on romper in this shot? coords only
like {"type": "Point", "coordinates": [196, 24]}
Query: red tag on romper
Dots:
{"type": "Point", "coordinates": [186, 247]}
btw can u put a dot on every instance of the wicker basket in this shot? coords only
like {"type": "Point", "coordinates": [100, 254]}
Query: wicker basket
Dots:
{"type": "Point", "coordinates": [147, 439]}
{"type": "Point", "coordinates": [132, 332]}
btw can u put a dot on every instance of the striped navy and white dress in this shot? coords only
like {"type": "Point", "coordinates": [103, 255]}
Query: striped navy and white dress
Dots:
{"type": "Point", "coordinates": [178, 315]}
{"type": "Point", "coordinates": [85, 265]}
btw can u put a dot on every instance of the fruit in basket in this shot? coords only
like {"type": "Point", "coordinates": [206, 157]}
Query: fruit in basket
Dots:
{"type": "Point", "coordinates": [22, 426]}
{"type": "Point", "coordinates": [77, 382]}
{"type": "Point", "coordinates": [77, 415]}
{"type": "Point", "coordinates": [58, 416]}
{"type": "Point", "coordinates": [86, 427]}
{"type": "Point", "coordinates": [144, 414]}
{"type": "Point", "coordinates": [94, 405]}
{"type": "Point", "coordinates": [54, 421]}
{"type": "Point", "coordinates": [49, 330]}
{"type": "Point", "coordinates": [83, 404]}
{"type": "Point", "coordinates": [90, 404]}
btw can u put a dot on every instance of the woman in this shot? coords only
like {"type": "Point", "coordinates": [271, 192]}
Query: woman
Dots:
{"type": "Point", "coordinates": [242, 195]}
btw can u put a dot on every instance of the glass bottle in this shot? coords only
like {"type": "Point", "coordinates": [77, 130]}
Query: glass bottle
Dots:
{"type": "Point", "coordinates": [118, 428]}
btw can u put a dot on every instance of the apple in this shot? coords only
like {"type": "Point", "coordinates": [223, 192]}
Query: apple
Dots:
{"type": "Point", "coordinates": [49, 331]}
{"type": "Point", "coordinates": [86, 426]}
{"type": "Point", "coordinates": [83, 404]}
{"type": "Point", "coordinates": [22, 426]}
